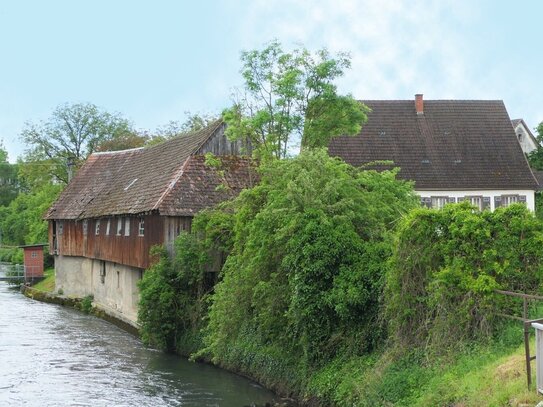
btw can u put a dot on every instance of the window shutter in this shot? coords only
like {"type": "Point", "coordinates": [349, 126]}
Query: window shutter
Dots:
{"type": "Point", "coordinates": [427, 202]}
{"type": "Point", "coordinates": [486, 202]}
{"type": "Point", "coordinates": [452, 200]}
{"type": "Point", "coordinates": [497, 201]}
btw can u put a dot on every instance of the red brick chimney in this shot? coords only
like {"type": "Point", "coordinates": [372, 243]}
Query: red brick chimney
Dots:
{"type": "Point", "coordinates": [419, 103]}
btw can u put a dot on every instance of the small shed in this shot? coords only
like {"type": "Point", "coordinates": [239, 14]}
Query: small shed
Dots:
{"type": "Point", "coordinates": [33, 261]}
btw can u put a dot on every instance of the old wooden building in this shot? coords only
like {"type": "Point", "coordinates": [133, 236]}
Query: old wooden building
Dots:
{"type": "Point", "coordinates": [122, 203]}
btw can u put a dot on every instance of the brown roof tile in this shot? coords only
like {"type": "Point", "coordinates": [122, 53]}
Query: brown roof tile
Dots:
{"type": "Point", "coordinates": [455, 144]}
{"type": "Point", "coordinates": [139, 180]}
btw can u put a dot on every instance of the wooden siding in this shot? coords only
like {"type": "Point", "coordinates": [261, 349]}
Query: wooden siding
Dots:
{"type": "Point", "coordinates": [218, 144]}
{"type": "Point", "coordinates": [131, 250]}
{"type": "Point", "coordinates": [173, 226]}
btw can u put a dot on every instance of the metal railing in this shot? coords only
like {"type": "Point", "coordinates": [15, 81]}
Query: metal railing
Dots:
{"type": "Point", "coordinates": [527, 325]}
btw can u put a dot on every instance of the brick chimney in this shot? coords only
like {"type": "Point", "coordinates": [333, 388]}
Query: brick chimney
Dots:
{"type": "Point", "coordinates": [419, 103]}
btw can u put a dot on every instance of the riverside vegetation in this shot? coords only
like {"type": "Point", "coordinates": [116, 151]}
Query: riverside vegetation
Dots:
{"type": "Point", "coordinates": [338, 289]}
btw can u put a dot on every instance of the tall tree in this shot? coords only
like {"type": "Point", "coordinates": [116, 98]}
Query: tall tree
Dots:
{"type": "Point", "coordinates": [8, 178]}
{"type": "Point", "coordinates": [290, 99]}
{"type": "Point", "coordinates": [71, 133]}
{"type": "Point", "coordinates": [535, 158]}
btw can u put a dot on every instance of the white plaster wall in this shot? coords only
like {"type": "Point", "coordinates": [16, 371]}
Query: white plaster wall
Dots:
{"type": "Point", "coordinates": [530, 196]}
{"type": "Point", "coordinates": [118, 295]}
{"type": "Point", "coordinates": [526, 142]}
{"type": "Point", "coordinates": [73, 276]}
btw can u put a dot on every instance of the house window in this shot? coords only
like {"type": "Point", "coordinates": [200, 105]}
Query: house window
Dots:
{"type": "Point", "coordinates": [102, 271]}
{"type": "Point", "coordinates": [85, 227]}
{"type": "Point", "coordinates": [511, 199]}
{"type": "Point", "coordinates": [127, 227]}
{"type": "Point", "coordinates": [439, 202]}
{"type": "Point", "coordinates": [97, 227]}
{"type": "Point", "coordinates": [476, 201]}
{"type": "Point", "coordinates": [141, 227]}
{"type": "Point", "coordinates": [119, 226]}
{"type": "Point", "coordinates": [108, 226]}
{"type": "Point", "coordinates": [60, 228]}
{"type": "Point", "coordinates": [34, 255]}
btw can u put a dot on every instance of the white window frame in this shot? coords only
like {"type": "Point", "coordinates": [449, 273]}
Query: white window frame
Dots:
{"type": "Point", "coordinates": [438, 202]}
{"type": "Point", "coordinates": [127, 226]}
{"type": "Point", "coordinates": [108, 227]}
{"type": "Point", "coordinates": [119, 226]}
{"type": "Point", "coordinates": [141, 227]}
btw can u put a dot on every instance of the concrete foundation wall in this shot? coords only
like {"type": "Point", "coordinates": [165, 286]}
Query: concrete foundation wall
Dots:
{"type": "Point", "coordinates": [114, 286]}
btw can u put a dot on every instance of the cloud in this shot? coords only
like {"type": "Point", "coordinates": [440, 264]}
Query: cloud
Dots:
{"type": "Point", "coordinates": [398, 48]}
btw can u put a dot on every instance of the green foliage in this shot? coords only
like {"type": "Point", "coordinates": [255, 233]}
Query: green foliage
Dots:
{"type": "Point", "coordinates": [172, 294]}
{"type": "Point", "coordinates": [535, 158]}
{"type": "Point", "coordinates": [21, 222]}
{"type": "Point", "coordinates": [446, 266]}
{"type": "Point", "coordinates": [9, 182]}
{"type": "Point", "coordinates": [309, 245]}
{"type": "Point", "coordinates": [86, 304]}
{"type": "Point", "coordinates": [291, 97]}
{"type": "Point", "coordinates": [72, 132]}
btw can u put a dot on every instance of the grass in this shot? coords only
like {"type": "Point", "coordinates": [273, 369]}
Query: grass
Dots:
{"type": "Point", "coordinates": [47, 284]}
{"type": "Point", "coordinates": [491, 374]}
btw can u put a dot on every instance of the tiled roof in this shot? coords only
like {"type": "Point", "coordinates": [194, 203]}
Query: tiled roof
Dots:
{"type": "Point", "coordinates": [201, 186]}
{"type": "Point", "coordinates": [143, 180]}
{"type": "Point", "coordinates": [453, 145]}
{"type": "Point", "coordinates": [539, 177]}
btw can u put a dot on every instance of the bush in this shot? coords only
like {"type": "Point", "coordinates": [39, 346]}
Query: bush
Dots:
{"type": "Point", "coordinates": [447, 264]}
{"type": "Point", "coordinates": [309, 250]}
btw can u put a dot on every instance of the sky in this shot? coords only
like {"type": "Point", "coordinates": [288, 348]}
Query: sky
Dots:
{"type": "Point", "coordinates": [152, 61]}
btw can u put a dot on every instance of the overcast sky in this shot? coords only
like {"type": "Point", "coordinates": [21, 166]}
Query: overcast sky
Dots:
{"type": "Point", "coordinates": [153, 60]}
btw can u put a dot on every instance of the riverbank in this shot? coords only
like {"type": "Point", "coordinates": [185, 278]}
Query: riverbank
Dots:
{"type": "Point", "coordinates": [98, 311]}
{"type": "Point", "coordinates": [492, 375]}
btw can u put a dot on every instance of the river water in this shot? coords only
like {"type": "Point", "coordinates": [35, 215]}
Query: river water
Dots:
{"type": "Point", "coordinates": [56, 356]}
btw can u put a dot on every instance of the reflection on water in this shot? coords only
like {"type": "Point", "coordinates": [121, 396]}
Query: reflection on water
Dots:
{"type": "Point", "coordinates": [56, 356]}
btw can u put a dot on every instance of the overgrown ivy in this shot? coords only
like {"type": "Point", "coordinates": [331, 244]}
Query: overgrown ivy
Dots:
{"type": "Point", "coordinates": [308, 259]}
{"type": "Point", "coordinates": [447, 264]}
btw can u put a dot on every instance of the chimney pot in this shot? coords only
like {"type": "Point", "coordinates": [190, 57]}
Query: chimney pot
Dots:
{"type": "Point", "coordinates": [419, 103]}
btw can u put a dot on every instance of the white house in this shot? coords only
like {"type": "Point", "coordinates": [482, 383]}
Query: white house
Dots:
{"type": "Point", "coordinates": [527, 141]}
{"type": "Point", "coordinates": [454, 150]}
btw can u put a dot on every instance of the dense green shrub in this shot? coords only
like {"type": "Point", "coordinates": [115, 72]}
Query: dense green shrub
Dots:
{"type": "Point", "coordinates": [447, 264]}
{"type": "Point", "coordinates": [172, 294]}
{"type": "Point", "coordinates": [309, 250]}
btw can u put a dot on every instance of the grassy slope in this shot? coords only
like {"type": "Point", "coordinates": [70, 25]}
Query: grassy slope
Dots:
{"type": "Point", "coordinates": [48, 284]}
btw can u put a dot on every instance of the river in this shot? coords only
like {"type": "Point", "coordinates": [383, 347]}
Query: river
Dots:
{"type": "Point", "coordinates": [56, 356]}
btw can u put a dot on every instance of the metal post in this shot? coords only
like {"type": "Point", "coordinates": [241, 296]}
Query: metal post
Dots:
{"type": "Point", "coordinates": [527, 326]}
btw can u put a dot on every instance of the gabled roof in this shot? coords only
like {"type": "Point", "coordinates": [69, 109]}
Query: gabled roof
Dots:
{"type": "Point", "coordinates": [146, 179]}
{"type": "Point", "coordinates": [517, 122]}
{"type": "Point", "coordinates": [453, 145]}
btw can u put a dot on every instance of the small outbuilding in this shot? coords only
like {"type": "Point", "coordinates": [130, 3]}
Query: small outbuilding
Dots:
{"type": "Point", "coordinates": [33, 261]}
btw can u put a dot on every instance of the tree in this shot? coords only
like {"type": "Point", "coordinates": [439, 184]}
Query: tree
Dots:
{"type": "Point", "coordinates": [174, 128]}
{"type": "Point", "coordinates": [535, 158]}
{"type": "Point", "coordinates": [9, 185]}
{"type": "Point", "coordinates": [291, 98]}
{"type": "Point", "coordinates": [72, 132]}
